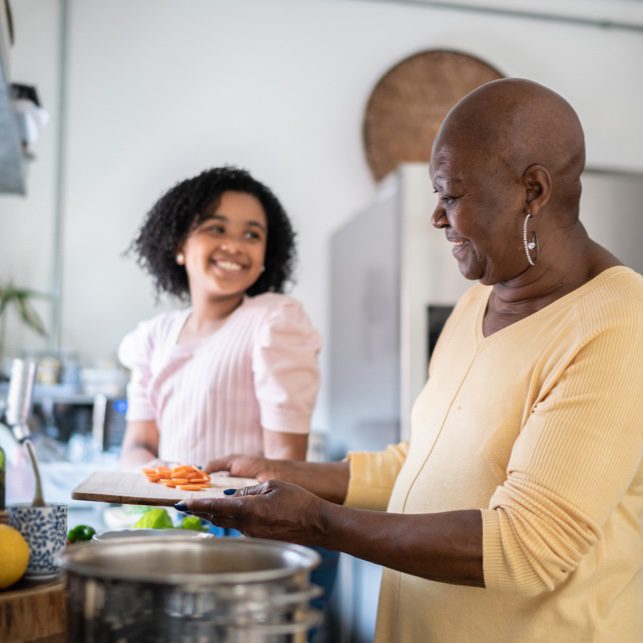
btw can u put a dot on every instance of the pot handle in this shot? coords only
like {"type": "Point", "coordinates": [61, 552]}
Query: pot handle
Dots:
{"type": "Point", "coordinates": [286, 599]}
{"type": "Point", "coordinates": [306, 619]}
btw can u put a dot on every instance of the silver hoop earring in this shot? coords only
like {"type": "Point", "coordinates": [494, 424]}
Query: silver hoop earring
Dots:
{"type": "Point", "coordinates": [180, 258]}
{"type": "Point", "coordinates": [263, 268]}
{"type": "Point", "coordinates": [530, 245]}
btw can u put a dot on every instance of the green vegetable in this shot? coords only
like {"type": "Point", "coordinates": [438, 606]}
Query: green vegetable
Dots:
{"type": "Point", "coordinates": [79, 533]}
{"type": "Point", "coordinates": [155, 519]}
{"type": "Point", "coordinates": [192, 522]}
{"type": "Point", "coordinates": [135, 509]}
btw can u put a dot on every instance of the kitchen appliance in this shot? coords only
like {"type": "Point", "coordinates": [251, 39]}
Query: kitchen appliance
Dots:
{"type": "Point", "coordinates": [222, 590]}
{"type": "Point", "coordinates": [394, 282]}
{"type": "Point", "coordinates": [64, 416]}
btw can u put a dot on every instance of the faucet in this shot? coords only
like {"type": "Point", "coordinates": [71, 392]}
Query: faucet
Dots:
{"type": "Point", "coordinates": [18, 406]}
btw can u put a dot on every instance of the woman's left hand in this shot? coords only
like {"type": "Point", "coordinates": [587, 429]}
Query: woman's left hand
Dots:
{"type": "Point", "coordinates": [273, 509]}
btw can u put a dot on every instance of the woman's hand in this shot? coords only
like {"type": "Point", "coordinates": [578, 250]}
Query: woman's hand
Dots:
{"type": "Point", "coordinates": [274, 509]}
{"type": "Point", "coordinates": [245, 466]}
{"type": "Point", "coordinates": [445, 547]}
{"type": "Point", "coordinates": [328, 480]}
{"type": "Point", "coordinates": [157, 462]}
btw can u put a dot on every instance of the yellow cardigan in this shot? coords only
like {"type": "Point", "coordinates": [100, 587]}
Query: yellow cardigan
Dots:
{"type": "Point", "coordinates": [539, 425]}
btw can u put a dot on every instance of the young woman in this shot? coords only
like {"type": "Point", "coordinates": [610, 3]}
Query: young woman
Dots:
{"type": "Point", "coordinates": [236, 370]}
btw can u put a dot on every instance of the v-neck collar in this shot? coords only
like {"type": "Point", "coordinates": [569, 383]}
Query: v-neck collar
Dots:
{"type": "Point", "coordinates": [561, 302]}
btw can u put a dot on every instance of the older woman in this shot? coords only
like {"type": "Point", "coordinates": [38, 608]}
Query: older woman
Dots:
{"type": "Point", "coordinates": [515, 513]}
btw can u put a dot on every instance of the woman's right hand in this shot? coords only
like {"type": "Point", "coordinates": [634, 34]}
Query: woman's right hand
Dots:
{"type": "Point", "coordinates": [328, 480]}
{"type": "Point", "coordinates": [246, 466]}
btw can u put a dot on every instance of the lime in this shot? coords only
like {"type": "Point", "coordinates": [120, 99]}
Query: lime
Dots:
{"type": "Point", "coordinates": [80, 532]}
{"type": "Point", "coordinates": [155, 519]}
{"type": "Point", "coordinates": [192, 522]}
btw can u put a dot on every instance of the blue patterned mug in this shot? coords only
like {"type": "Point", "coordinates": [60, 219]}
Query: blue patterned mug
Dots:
{"type": "Point", "coordinates": [45, 530]}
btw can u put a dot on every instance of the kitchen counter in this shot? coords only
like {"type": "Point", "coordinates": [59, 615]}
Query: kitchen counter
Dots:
{"type": "Point", "coordinates": [33, 611]}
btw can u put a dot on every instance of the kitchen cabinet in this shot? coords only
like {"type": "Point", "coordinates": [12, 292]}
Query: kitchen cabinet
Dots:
{"type": "Point", "coordinates": [12, 168]}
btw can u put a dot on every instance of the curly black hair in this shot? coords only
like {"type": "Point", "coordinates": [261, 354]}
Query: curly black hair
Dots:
{"type": "Point", "coordinates": [180, 210]}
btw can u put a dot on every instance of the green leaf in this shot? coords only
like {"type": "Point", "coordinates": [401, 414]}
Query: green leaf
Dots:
{"type": "Point", "coordinates": [34, 294]}
{"type": "Point", "coordinates": [10, 294]}
{"type": "Point", "coordinates": [7, 295]}
{"type": "Point", "coordinates": [29, 315]}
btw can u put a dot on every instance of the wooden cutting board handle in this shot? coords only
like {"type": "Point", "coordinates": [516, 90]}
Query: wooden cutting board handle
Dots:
{"type": "Point", "coordinates": [32, 611]}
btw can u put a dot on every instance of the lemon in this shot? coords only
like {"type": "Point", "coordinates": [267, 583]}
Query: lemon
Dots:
{"type": "Point", "coordinates": [14, 556]}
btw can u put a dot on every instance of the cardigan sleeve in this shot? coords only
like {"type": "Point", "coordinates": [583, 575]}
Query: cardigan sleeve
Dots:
{"type": "Point", "coordinates": [372, 476]}
{"type": "Point", "coordinates": [572, 465]}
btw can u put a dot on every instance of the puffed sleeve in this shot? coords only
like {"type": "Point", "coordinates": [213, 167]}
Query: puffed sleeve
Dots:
{"type": "Point", "coordinates": [285, 369]}
{"type": "Point", "coordinates": [575, 462]}
{"type": "Point", "coordinates": [134, 353]}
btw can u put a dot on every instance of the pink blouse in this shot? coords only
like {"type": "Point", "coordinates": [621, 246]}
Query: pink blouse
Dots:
{"type": "Point", "coordinates": [215, 396]}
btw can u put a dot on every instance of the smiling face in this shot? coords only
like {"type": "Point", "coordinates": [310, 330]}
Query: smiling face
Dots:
{"type": "Point", "coordinates": [480, 207]}
{"type": "Point", "coordinates": [509, 147]}
{"type": "Point", "coordinates": [224, 254]}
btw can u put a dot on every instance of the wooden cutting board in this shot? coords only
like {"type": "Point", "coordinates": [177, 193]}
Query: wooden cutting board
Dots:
{"type": "Point", "coordinates": [34, 611]}
{"type": "Point", "coordinates": [133, 488]}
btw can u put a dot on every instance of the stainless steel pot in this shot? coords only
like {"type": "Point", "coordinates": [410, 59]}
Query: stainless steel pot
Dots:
{"type": "Point", "coordinates": [225, 590]}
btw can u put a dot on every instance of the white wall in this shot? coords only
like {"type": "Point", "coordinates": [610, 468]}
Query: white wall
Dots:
{"type": "Point", "coordinates": [160, 90]}
{"type": "Point", "coordinates": [27, 224]}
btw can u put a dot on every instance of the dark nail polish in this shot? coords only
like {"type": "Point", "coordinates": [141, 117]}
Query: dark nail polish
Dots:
{"type": "Point", "coordinates": [181, 506]}
{"type": "Point", "coordinates": [229, 492]}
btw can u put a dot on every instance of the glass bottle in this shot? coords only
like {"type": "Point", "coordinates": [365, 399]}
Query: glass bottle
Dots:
{"type": "Point", "coordinates": [3, 466]}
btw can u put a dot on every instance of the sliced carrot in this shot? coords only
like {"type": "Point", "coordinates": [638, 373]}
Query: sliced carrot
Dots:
{"type": "Point", "coordinates": [196, 476]}
{"type": "Point", "coordinates": [185, 476]}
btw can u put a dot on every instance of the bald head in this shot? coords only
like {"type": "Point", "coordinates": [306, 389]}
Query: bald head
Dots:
{"type": "Point", "coordinates": [518, 123]}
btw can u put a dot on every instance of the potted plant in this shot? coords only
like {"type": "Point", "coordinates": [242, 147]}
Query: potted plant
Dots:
{"type": "Point", "coordinates": [12, 296]}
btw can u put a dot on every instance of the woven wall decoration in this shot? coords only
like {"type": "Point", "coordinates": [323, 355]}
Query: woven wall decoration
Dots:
{"type": "Point", "coordinates": [408, 103]}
